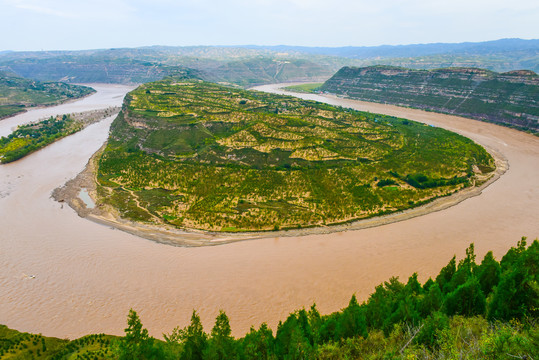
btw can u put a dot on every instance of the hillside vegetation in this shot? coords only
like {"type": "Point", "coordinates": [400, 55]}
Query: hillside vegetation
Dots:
{"type": "Point", "coordinates": [17, 94]}
{"type": "Point", "coordinates": [508, 98]}
{"type": "Point", "coordinates": [199, 155]}
{"type": "Point", "coordinates": [469, 311]}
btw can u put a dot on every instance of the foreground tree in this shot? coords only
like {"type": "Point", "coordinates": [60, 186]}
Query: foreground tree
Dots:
{"type": "Point", "coordinates": [517, 294]}
{"type": "Point", "coordinates": [221, 344]}
{"type": "Point", "coordinates": [258, 344]}
{"type": "Point", "coordinates": [137, 344]}
{"type": "Point", "coordinates": [194, 339]}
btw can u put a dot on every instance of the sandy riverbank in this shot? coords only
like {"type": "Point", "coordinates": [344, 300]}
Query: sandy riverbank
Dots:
{"type": "Point", "coordinates": [105, 215]}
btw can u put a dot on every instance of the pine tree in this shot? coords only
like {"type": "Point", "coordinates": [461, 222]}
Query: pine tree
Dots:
{"type": "Point", "coordinates": [488, 273]}
{"type": "Point", "coordinates": [221, 344]}
{"type": "Point", "coordinates": [467, 299]}
{"type": "Point", "coordinates": [446, 274]}
{"type": "Point", "coordinates": [137, 344]}
{"type": "Point", "coordinates": [194, 339]}
{"type": "Point", "coordinates": [258, 344]}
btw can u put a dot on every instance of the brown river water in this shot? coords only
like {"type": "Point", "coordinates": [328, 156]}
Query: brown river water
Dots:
{"type": "Point", "coordinates": [64, 276]}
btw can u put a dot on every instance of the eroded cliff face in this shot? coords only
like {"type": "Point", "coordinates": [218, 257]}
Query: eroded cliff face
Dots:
{"type": "Point", "coordinates": [509, 98]}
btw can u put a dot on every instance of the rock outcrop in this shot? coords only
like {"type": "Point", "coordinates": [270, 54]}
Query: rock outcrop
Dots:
{"type": "Point", "coordinates": [509, 98]}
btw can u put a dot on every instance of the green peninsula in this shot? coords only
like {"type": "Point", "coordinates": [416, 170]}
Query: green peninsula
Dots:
{"type": "Point", "coordinates": [198, 155]}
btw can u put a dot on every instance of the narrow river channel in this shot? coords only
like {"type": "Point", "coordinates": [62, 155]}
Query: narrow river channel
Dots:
{"type": "Point", "coordinates": [64, 276]}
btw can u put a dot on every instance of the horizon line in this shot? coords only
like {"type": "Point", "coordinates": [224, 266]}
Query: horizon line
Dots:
{"type": "Point", "coordinates": [266, 46]}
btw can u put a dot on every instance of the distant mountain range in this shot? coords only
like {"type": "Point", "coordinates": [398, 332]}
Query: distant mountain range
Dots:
{"type": "Point", "coordinates": [414, 50]}
{"type": "Point", "coordinates": [249, 65]}
{"type": "Point", "coordinates": [146, 65]}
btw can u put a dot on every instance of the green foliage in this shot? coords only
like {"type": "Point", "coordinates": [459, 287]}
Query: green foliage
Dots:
{"type": "Point", "coordinates": [432, 301]}
{"type": "Point", "coordinates": [258, 344]}
{"type": "Point", "coordinates": [467, 299]}
{"type": "Point", "coordinates": [386, 182]}
{"type": "Point", "coordinates": [221, 344]}
{"type": "Point", "coordinates": [465, 270]}
{"type": "Point", "coordinates": [137, 344]}
{"type": "Point", "coordinates": [304, 88]}
{"type": "Point", "coordinates": [351, 322]}
{"type": "Point", "coordinates": [10, 110]}
{"type": "Point", "coordinates": [16, 345]}
{"type": "Point", "coordinates": [488, 273]}
{"type": "Point", "coordinates": [432, 328]}
{"type": "Point", "coordinates": [446, 274]}
{"type": "Point", "coordinates": [199, 155]}
{"type": "Point", "coordinates": [517, 293]}
{"type": "Point", "coordinates": [34, 136]}
{"type": "Point", "coordinates": [294, 338]}
{"type": "Point", "coordinates": [193, 341]}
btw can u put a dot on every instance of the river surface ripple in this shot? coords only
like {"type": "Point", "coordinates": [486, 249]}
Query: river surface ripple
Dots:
{"type": "Point", "coordinates": [87, 276]}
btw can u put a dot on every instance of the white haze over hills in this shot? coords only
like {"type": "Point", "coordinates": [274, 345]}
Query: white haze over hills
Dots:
{"type": "Point", "coordinates": [68, 24]}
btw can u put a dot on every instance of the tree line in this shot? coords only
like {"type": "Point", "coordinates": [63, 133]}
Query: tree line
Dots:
{"type": "Point", "coordinates": [487, 310]}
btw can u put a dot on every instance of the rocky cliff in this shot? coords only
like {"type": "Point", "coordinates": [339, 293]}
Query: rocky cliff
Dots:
{"type": "Point", "coordinates": [509, 98]}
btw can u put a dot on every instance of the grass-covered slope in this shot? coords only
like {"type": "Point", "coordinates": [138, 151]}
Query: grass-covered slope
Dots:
{"type": "Point", "coordinates": [199, 155]}
{"type": "Point", "coordinates": [504, 98]}
{"type": "Point", "coordinates": [17, 345]}
{"type": "Point", "coordinates": [17, 93]}
{"type": "Point", "coordinates": [469, 311]}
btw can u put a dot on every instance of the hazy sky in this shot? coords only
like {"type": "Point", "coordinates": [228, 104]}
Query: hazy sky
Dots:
{"type": "Point", "coordinates": [90, 24]}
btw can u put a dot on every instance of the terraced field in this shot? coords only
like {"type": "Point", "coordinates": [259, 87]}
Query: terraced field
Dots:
{"type": "Point", "coordinates": [199, 155]}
